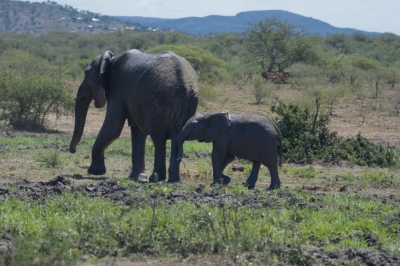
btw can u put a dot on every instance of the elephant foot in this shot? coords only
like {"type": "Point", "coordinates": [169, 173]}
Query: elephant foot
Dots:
{"type": "Point", "coordinates": [154, 178]}
{"type": "Point", "coordinates": [249, 186]}
{"type": "Point", "coordinates": [274, 186]}
{"type": "Point", "coordinates": [97, 169]}
{"type": "Point", "coordinates": [224, 180]}
{"type": "Point", "coordinates": [174, 180]}
{"type": "Point", "coordinates": [138, 177]}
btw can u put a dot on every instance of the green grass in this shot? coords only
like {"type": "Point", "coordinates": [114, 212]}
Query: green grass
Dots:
{"type": "Point", "coordinates": [71, 227]}
{"type": "Point", "coordinates": [74, 227]}
{"type": "Point", "coordinates": [304, 172]}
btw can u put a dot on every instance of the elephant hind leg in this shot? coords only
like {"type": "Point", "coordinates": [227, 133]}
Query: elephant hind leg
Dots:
{"type": "Point", "coordinates": [174, 164]}
{"type": "Point", "coordinates": [159, 171]}
{"type": "Point", "coordinates": [275, 181]}
{"type": "Point", "coordinates": [273, 169]}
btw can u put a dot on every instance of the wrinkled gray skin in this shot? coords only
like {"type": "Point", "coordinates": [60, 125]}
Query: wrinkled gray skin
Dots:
{"type": "Point", "coordinates": [253, 136]}
{"type": "Point", "coordinates": [156, 93]}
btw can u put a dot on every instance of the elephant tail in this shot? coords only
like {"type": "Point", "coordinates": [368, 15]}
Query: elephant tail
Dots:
{"type": "Point", "coordinates": [280, 140]}
{"type": "Point", "coordinates": [280, 151]}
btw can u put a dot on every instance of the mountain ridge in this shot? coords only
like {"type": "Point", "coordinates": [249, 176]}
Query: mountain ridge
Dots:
{"type": "Point", "coordinates": [239, 23]}
{"type": "Point", "coordinates": [32, 18]}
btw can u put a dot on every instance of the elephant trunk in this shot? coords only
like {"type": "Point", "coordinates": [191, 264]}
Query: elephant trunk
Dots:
{"type": "Point", "coordinates": [180, 141]}
{"type": "Point", "coordinates": [81, 109]}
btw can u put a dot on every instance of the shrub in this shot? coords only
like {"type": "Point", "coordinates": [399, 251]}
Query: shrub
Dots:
{"type": "Point", "coordinates": [31, 89]}
{"type": "Point", "coordinates": [361, 151]}
{"type": "Point", "coordinates": [259, 88]}
{"type": "Point", "coordinates": [305, 135]}
{"type": "Point", "coordinates": [306, 138]}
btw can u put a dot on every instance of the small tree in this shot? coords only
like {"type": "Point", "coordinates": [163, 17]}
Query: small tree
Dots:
{"type": "Point", "coordinates": [393, 74]}
{"type": "Point", "coordinates": [241, 74]}
{"type": "Point", "coordinates": [328, 96]}
{"type": "Point", "coordinates": [394, 99]}
{"type": "Point", "coordinates": [278, 44]}
{"type": "Point", "coordinates": [259, 88]}
{"type": "Point", "coordinates": [31, 89]}
{"type": "Point", "coordinates": [378, 75]}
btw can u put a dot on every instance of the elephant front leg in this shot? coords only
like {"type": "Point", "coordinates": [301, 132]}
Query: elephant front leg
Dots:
{"type": "Point", "coordinates": [138, 150]}
{"type": "Point", "coordinates": [110, 131]}
{"type": "Point", "coordinates": [251, 181]}
{"type": "Point", "coordinates": [159, 171]}
{"type": "Point", "coordinates": [217, 164]}
{"type": "Point", "coordinates": [225, 178]}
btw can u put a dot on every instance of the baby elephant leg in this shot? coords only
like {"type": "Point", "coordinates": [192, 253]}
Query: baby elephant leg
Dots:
{"type": "Point", "coordinates": [225, 179]}
{"type": "Point", "coordinates": [251, 181]}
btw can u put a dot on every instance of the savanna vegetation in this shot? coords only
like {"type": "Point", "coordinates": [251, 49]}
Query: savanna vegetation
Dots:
{"type": "Point", "coordinates": [339, 117]}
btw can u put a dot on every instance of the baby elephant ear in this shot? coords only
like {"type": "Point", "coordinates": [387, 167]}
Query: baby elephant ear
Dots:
{"type": "Point", "coordinates": [218, 125]}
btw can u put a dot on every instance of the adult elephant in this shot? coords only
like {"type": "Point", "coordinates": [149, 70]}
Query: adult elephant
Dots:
{"type": "Point", "coordinates": [156, 93]}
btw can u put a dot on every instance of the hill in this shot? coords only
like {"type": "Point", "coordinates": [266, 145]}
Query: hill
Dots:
{"type": "Point", "coordinates": [238, 23]}
{"type": "Point", "coordinates": [39, 18]}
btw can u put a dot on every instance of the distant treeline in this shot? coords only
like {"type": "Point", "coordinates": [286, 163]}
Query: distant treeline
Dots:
{"type": "Point", "coordinates": [79, 48]}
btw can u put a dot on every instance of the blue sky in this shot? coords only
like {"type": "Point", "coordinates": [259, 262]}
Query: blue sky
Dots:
{"type": "Point", "coordinates": [367, 15]}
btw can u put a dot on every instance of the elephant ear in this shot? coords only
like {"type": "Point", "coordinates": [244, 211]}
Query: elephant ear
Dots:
{"type": "Point", "coordinates": [218, 126]}
{"type": "Point", "coordinates": [100, 98]}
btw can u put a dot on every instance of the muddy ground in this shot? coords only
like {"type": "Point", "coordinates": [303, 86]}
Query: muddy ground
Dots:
{"type": "Point", "coordinates": [110, 189]}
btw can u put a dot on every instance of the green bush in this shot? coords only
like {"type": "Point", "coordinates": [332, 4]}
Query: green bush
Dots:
{"type": "Point", "coordinates": [30, 90]}
{"type": "Point", "coordinates": [361, 151]}
{"type": "Point", "coordinates": [306, 138]}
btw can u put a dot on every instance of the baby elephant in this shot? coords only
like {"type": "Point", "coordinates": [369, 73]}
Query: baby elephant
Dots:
{"type": "Point", "coordinates": [251, 136]}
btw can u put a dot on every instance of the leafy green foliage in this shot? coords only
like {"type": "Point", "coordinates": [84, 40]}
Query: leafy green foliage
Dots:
{"type": "Point", "coordinates": [361, 151]}
{"type": "Point", "coordinates": [278, 44]}
{"type": "Point", "coordinates": [30, 90]}
{"type": "Point", "coordinates": [306, 137]}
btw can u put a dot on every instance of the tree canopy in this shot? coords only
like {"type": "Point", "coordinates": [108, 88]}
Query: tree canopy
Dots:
{"type": "Point", "coordinates": [278, 45]}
